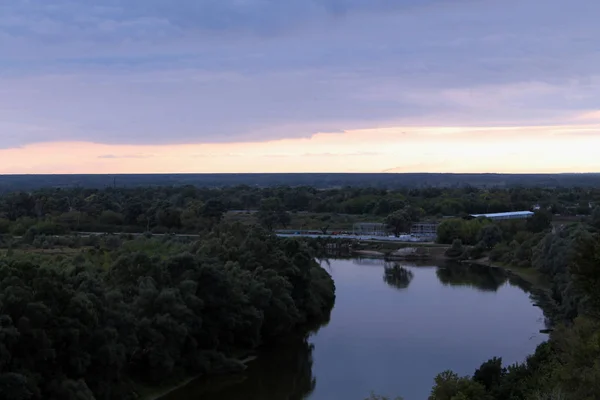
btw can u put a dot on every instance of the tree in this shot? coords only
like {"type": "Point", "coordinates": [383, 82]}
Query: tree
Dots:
{"type": "Point", "coordinates": [272, 213]}
{"type": "Point", "coordinates": [578, 353]}
{"type": "Point", "coordinates": [449, 386]}
{"type": "Point", "coordinates": [4, 225]}
{"type": "Point", "coordinates": [399, 222]}
{"type": "Point", "coordinates": [449, 230]}
{"type": "Point", "coordinates": [490, 373]}
{"type": "Point", "coordinates": [490, 235]}
{"type": "Point", "coordinates": [109, 217]}
{"type": "Point", "coordinates": [585, 267]}
{"type": "Point", "coordinates": [445, 387]}
{"type": "Point", "coordinates": [383, 207]}
{"type": "Point", "coordinates": [213, 210]}
{"type": "Point", "coordinates": [169, 217]}
{"type": "Point", "coordinates": [133, 210]}
{"type": "Point", "coordinates": [540, 221]}
{"type": "Point", "coordinates": [190, 215]}
{"type": "Point", "coordinates": [595, 218]}
{"type": "Point", "coordinates": [457, 249]}
{"type": "Point", "coordinates": [477, 251]}
{"type": "Point", "coordinates": [14, 386]}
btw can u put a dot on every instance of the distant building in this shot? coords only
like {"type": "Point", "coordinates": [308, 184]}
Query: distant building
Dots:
{"type": "Point", "coordinates": [424, 230]}
{"type": "Point", "coordinates": [369, 229]}
{"type": "Point", "coordinates": [505, 215]}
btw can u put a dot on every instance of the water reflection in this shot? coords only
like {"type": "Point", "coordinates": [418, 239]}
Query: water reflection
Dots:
{"type": "Point", "coordinates": [397, 276]}
{"type": "Point", "coordinates": [281, 372]}
{"type": "Point", "coordinates": [369, 261]}
{"type": "Point", "coordinates": [481, 278]}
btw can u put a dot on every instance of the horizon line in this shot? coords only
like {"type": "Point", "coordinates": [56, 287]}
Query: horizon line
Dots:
{"type": "Point", "coordinates": [299, 173]}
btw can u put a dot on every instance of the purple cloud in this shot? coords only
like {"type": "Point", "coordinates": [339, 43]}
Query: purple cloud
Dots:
{"type": "Point", "coordinates": [162, 72]}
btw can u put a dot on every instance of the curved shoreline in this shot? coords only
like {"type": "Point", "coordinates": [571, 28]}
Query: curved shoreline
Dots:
{"type": "Point", "coordinates": [529, 275]}
{"type": "Point", "coordinates": [167, 391]}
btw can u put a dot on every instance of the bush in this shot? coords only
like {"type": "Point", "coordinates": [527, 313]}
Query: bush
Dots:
{"type": "Point", "coordinates": [499, 252]}
{"type": "Point", "coordinates": [20, 227]}
{"type": "Point", "coordinates": [476, 251]}
{"type": "Point", "coordinates": [457, 250]}
{"type": "Point", "coordinates": [109, 217]}
{"type": "Point", "coordinates": [50, 228]}
{"type": "Point", "coordinates": [4, 226]}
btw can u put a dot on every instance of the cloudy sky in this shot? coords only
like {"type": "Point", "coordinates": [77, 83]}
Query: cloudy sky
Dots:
{"type": "Point", "coordinates": [299, 85]}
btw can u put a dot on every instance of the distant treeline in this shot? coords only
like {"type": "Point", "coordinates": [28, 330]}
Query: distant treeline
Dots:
{"type": "Point", "coordinates": [318, 180]}
{"type": "Point", "coordinates": [191, 209]}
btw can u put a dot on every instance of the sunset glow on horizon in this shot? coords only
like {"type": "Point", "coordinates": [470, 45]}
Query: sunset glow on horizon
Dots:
{"type": "Point", "coordinates": [427, 149]}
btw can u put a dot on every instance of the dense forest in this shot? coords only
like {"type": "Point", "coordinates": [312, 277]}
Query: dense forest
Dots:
{"type": "Point", "coordinates": [317, 180]}
{"type": "Point", "coordinates": [123, 314]}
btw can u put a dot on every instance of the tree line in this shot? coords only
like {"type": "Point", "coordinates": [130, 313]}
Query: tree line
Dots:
{"type": "Point", "coordinates": [317, 180]}
{"type": "Point", "coordinates": [192, 209]}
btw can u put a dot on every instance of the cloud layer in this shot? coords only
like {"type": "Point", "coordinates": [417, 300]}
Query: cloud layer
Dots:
{"type": "Point", "coordinates": [159, 72]}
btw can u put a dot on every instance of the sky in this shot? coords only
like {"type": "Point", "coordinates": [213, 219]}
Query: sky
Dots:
{"type": "Point", "coordinates": [149, 86]}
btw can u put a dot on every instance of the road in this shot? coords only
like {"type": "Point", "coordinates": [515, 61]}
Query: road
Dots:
{"type": "Point", "coordinates": [401, 239]}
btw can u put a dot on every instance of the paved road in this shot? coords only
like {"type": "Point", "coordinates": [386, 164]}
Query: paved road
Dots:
{"type": "Point", "coordinates": [401, 239]}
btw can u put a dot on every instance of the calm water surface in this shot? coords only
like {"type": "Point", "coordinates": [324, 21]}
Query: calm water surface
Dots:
{"type": "Point", "coordinates": [393, 328]}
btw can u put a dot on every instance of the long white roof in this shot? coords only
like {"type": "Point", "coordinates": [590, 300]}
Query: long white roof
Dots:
{"type": "Point", "coordinates": [503, 214]}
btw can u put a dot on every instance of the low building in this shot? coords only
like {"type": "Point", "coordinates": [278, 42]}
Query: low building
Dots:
{"type": "Point", "coordinates": [369, 229]}
{"type": "Point", "coordinates": [425, 230]}
{"type": "Point", "coordinates": [505, 215]}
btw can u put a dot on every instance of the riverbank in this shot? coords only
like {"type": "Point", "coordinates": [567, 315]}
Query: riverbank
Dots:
{"type": "Point", "coordinates": [157, 393]}
{"type": "Point", "coordinates": [400, 251]}
{"type": "Point", "coordinates": [150, 393]}
{"type": "Point", "coordinates": [530, 275]}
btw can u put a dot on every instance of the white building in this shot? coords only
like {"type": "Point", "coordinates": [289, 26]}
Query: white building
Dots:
{"type": "Point", "coordinates": [505, 215]}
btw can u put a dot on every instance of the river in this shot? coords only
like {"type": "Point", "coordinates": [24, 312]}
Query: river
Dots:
{"type": "Point", "coordinates": [393, 328]}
